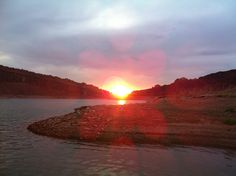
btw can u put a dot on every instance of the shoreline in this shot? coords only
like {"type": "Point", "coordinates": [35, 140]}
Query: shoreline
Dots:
{"type": "Point", "coordinates": [69, 98]}
{"type": "Point", "coordinates": [49, 97]}
{"type": "Point", "coordinates": [146, 123]}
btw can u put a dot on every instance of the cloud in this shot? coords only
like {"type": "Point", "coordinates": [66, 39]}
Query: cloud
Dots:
{"type": "Point", "coordinates": [155, 42]}
{"type": "Point", "coordinates": [5, 58]}
{"type": "Point", "coordinates": [144, 62]}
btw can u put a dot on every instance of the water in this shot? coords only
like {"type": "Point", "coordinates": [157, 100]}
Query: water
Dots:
{"type": "Point", "coordinates": [24, 153]}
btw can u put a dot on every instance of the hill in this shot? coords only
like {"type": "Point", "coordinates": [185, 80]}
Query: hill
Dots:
{"type": "Point", "coordinates": [22, 83]}
{"type": "Point", "coordinates": [220, 84]}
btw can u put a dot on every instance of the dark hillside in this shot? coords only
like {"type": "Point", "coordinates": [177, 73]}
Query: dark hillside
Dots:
{"type": "Point", "coordinates": [220, 82]}
{"type": "Point", "coordinates": [18, 82]}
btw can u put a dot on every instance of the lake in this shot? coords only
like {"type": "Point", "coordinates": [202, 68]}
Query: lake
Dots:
{"type": "Point", "coordinates": [24, 153]}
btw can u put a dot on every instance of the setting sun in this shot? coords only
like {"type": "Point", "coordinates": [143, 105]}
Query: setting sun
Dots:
{"type": "Point", "coordinates": [118, 87]}
{"type": "Point", "coordinates": [120, 91]}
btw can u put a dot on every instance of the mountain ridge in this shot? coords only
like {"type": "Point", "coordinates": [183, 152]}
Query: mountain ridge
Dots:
{"type": "Point", "coordinates": [221, 83]}
{"type": "Point", "coordinates": [22, 83]}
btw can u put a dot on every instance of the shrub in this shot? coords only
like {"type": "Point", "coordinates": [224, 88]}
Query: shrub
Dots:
{"type": "Point", "coordinates": [230, 121]}
{"type": "Point", "coordinates": [230, 110]}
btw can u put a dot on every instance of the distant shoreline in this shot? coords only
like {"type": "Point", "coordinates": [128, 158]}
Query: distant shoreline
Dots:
{"type": "Point", "coordinates": [150, 98]}
{"type": "Point", "coordinates": [50, 97]}
{"type": "Point", "coordinates": [18, 83]}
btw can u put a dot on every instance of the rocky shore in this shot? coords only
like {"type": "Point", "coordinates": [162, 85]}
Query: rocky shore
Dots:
{"type": "Point", "coordinates": [199, 122]}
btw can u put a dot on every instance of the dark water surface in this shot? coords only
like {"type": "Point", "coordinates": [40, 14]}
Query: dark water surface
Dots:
{"type": "Point", "coordinates": [24, 153]}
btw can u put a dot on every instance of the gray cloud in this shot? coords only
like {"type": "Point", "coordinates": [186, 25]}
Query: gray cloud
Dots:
{"type": "Point", "coordinates": [48, 34]}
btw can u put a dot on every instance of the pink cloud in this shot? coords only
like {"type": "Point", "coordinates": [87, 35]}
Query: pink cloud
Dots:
{"type": "Point", "coordinates": [148, 62]}
{"type": "Point", "coordinates": [142, 67]}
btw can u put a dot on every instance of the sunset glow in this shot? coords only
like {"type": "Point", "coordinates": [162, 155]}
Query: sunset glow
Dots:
{"type": "Point", "coordinates": [120, 91]}
{"type": "Point", "coordinates": [118, 87]}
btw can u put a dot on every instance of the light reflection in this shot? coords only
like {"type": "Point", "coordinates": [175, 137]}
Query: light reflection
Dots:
{"type": "Point", "coordinates": [121, 102]}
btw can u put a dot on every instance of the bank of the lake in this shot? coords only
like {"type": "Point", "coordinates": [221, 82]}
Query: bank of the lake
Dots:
{"type": "Point", "coordinates": [207, 122]}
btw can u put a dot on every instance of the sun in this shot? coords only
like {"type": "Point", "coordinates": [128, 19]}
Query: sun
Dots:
{"type": "Point", "coordinates": [120, 91]}
{"type": "Point", "coordinates": [118, 87]}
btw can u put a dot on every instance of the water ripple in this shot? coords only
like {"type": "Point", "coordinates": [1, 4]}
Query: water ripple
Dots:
{"type": "Point", "coordinates": [24, 153]}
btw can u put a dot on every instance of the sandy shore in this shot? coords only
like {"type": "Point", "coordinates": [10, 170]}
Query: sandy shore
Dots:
{"type": "Point", "coordinates": [187, 121]}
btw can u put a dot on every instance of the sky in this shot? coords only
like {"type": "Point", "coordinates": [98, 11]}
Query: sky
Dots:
{"type": "Point", "coordinates": [143, 42]}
